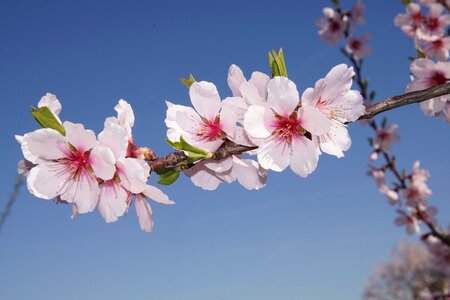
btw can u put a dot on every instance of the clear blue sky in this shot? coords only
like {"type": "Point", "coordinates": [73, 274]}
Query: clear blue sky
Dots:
{"type": "Point", "coordinates": [296, 239]}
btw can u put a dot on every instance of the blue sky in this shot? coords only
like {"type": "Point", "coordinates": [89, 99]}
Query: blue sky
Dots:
{"type": "Point", "coordinates": [314, 238]}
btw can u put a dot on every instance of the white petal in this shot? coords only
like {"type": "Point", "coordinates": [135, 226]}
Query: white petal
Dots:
{"type": "Point", "coordinates": [258, 121]}
{"type": "Point", "coordinates": [337, 82]}
{"type": "Point", "coordinates": [205, 99]}
{"type": "Point", "coordinates": [102, 162]}
{"type": "Point", "coordinates": [182, 120]}
{"type": "Point", "coordinates": [47, 180]}
{"type": "Point", "coordinates": [43, 144]}
{"type": "Point", "coordinates": [19, 138]}
{"type": "Point", "coordinates": [248, 174]}
{"type": "Point", "coordinates": [314, 120]}
{"type": "Point", "coordinates": [260, 81]}
{"type": "Point", "coordinates": [52, 103]}
{"type": "Point", "coordinates": [82, 139]}
{"type": "Point", "coordinates": [274, 154]}
{"type": "Point", "coordinates": [282, 95]}
{"type": "Point", "coordinates": [235, 79]}
{"type": "Point", "coordinates": [125, 115]}
{"type": "Point", "coordinates": [237, 105]}
{"type": "Point", "coordinates": [336, 141]}
{"type": "Point", "coordinates": [203, 177]}
{"type": "Point", "coordinates": [228, 121]}
{"type": "Point", "coordinates": [144, 213]}
{"type": "Point", "coordinates": [132, 175]}
{"type": "Point", "coordinates": [115, 138]}
{"type": "Point", "coordinates": [112, 202]}
{"type": "Point", "coordinates": [305, 155]}
{"type": "Point", "coordinates": [82, 190]}
{"type": "Point", "coordinates": [219, 165]}
{"type": "Point", "coordinates": [157, 195]}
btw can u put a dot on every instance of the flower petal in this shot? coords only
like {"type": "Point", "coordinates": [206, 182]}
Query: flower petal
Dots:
{"type": "Point", "coordinates": [314, 120]}
{"type": "Point", "coordinates": [103, 162]}
{"type": "Point", "coordinates": [157, 195]}
{"type": "Point", "coordinates": [115, 138]}
{"type": "Point", "coordinates": [112, 202]}
{"type": "Point", "coordinates": [82, 190]}
{"type": "Point", "coordinates": [205, 99]}
{"type": "Point", "coordinates": [248, 174]}
{"type": "Point", "coordinates": [258, 121]}
{"type": "Point", "coordinates": [47, 180]}
{"type": "Point", "coordinates": [133, 175]}
{"type": "Point", "coordinates": [82, 139]}
{"type": "Point", "coordinates": [144, 213]}
{"type": "Point", "coordinates": [43, 144]}
{"type": "Point", "coordinates": [305, 155]}
{"type": "Point", "coordinates": [282, 95]}
{"type": "Point", "coordinates": [274, 154]}
{"type": "Point", "coordinates": [235, 79]}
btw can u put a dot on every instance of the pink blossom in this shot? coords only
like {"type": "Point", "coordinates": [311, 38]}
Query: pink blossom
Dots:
{"type": "Point", "coordinates": [386, 137]}
{"type": "Point", "coordinates": [356, 14]}
{"type": "Point", "coordinates": [279, 128]}
{"type": "Point", "coordinates": [434, 24]}
{"type": "Point", "coordinates": [426, 74]}
{"type": "Point", "coordinates": [209, 174]}
{"type": "Point", "coordinates": [410, 221]}
{"type": "Point", "coordinates": [440, 251]}
{"type": "Point", "coordinates": [411, 20]}
{"type": "Point", "coordinates": [417, 193]}
{"type": "Point", "coordinates": [437, 48]}
{"type": "Point", "coordinates": [50, 101]}
{"type": "Point", "coordinates": [207, 125]}
{"type": "Point", "coordinates": [379, 176]}
{"type": "Point", "coordinates": [430, 2]}
{"type": "Point", "coordinates": [332, 26]}
{"type": "Point", "coordinates": [358, 46]}
{"type": "Point", "coordinates": [328, 106]}
{"type": "Point", "coordinates": [67, 166]}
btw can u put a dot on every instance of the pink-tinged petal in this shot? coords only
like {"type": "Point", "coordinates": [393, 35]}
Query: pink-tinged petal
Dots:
{"type": "Point", "coordinates": [112, 202]}
{"type": "Point", "coordinates": [74, 214]}
{"type": "Point", "coordinates": [347, 107]}
{"type": "Point", "coordinates": [205, 99]}
{"type": "Point", "coordinates": [260, 81]}
{"type": "Point", "coordinates": [125, 115]}
{"type": "Point", "coordinates": [258, 121]}
{"type": "Point", "coordinates": [220, 165]}
{"type": "Point", "coordinates": [311, 95]}
{"type": "Point", "coordinates": [80, 138]}
{"type": "Point", "coordinates": [336, 141]}
{"type": "Point", "coordinates": [132, 175]}
{"type": "Point", "coordinates": [19, 138]}
{"type": "Point", "coordinates": [47, 180]}
{"type": "Point", "coordinates": [83, 191]}
{"type": "Point", "coordinates": [241, 138]}
{"type": "Point", "coordinates": [52, 103]}
{"type": "Point", "coordinates": [237, 105]}
{"type": "Point", "coordinates": [157, 195]}
{"type": "Point", "coordinates": [274, 154]}
{"type": "Point", "coordinates": [282, 95]}
{"type": "Point", "coordinates": [314, 120]}
{"type": "Point", "coordinates": [235, 79]}
{"type": "Point", "coordinates": [422, 67]}
{"type": "Point", "coordinates": [203, 177]}
{"type": "Point", "coordinates": [305, 155]}
{"type": "Point", "coordinates": [248, 173]}
{"type": "Point", "coordinates": [102, 162]}
{"type": "Point", "coordinates": [337, 82]}
{"type": "Point", "coordinates": [144, 213]}
{"type": "Point", "coordinates": [205, 145]}
{"type": "Point", "coordinates": [250, 94]}
{"type": "Point", "coordinates": [43, 144]}
{"type": "Point", "coordinates": [228, 121]}
{"type": "Point", "coordinates": [182, 120]}
{"type": "Point", "coordinates": [115, 138]}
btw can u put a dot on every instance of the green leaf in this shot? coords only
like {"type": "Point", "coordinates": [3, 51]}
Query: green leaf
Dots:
{"type": "Point", "coordinates": [335, 2]}
{"type": "Point", "coordinates": [45, 118]}
{"type": "Point", "coordinates": [406, 2]}
{"type": "Point", "coordinates": [188, 147]}
{"type": "Point", "coordinates": [169, 177]}
{"type": "Point", "coordinates": [277, 63]}
{"type": "Point", "coordinates": [189, 81]}
{"type": "Point", "coordinates": [176, 145]}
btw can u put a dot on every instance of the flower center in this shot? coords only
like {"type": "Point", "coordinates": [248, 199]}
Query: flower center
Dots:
{"type": "Point", "coordinates": [433, 23]}
{"type": "Point", "coordinates": [334, 26]}
{"type": "Point", "coordinates": [210, 130]}
{"type": "Point", "coordinates": [417, 18]}
{"type": "Point", "coordinates": [438, 78]}
{"type": "Point", "coordinates": [355, 44]}
{"type": "Point", "coordinates": [288, 128]}
{"type": "Point", "coordinates": [76, 162]}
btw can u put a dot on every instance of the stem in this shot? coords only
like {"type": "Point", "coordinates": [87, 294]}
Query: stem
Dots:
{"type": "Point", "coordinates": [20, 180]}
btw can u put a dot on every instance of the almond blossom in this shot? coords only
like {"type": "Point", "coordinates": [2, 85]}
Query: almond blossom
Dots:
{"type": "Point", "coordinates": [67, 166]}
{"type": "Point", "coordinates": [409, 221]}
{"type": "Point", "coordinates": [435, 24]}
{"type": "Point", "coordinates": [209, 174]}
{"type": "Point", "coordinates": [426, 74]}
{"type": "Point", "coordinates": [332, 26]}
{"type": "Point", "coordinates": [279, 126]}
{"type": "Point", "coordinates": [386, 137]}
{"type": "Point", "coordinates": [356, 14]}
{"type": "Point", "coordinates": [411, 20]}
{"type": "Point", "coordinates": [207, 125]}
{"type": "Point", "coordinates": [417, 193]}
{"type": "Point", "coordinates": [328, 106]}
{"type": "Point", "coordinates": [358, 47]}
{"type": "Point", "coordinates": [437, 48]}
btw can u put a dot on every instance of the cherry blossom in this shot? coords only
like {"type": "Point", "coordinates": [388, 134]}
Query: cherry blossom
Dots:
{"type": "Point", "coordinates": [332, 26]}
{"type": "Point", "coordinates": [386, 137]}
{"type": "Point", "coordinates": [435, 24]}
{"type": "Point", "coordinates": [426, 74]}
{"type": "Point", "coordinates": [209, 174]}
{"type": "Point", "coordinates": [358, 47]}
{"type": "Point", "coordinates": [67, 166]}
{"type": "Point", "coordinates": [328, 106]}
{"type": "Point", "coordinates": [207, 125]}
{"type": "Point", "coordinates": [417, 193]}
{"type": "Point", "coordinates": [356, 14]}
{"type": "Point", "coordinates": [50, 101]}
{"type": "Point", "coordinates": [411, 20]}
{"type": "Point", "coordinates": [410, 221]}
{"type": "Point", "coordinates": [279, 126]}
{"type": "Point", "coordinates": [380, 178]}
{"type": "Point", "coordinates": [437, 48]}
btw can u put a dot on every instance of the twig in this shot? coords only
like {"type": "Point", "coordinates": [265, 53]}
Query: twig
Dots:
{"type": "Point", "coordinates": [20, 180]}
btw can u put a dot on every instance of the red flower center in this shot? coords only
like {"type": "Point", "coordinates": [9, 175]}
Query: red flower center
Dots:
{"type": "Point", "coordinates": [211, 130]}
{"type": "Point", "coordinates": [288, 128]}
{"type": "Point", "coordinates": [438, 78]}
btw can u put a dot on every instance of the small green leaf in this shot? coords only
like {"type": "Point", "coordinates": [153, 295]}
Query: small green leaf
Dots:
{"type": "Point", "coordinates": [189, 81]}
{"type": "Point", "coordinates": [176, 145]}
{"type": "Point", "coordinates": [335, 2]}
{"type": "Point", "coordinates": [169, 177]}
{"type": "Point", "coordinates": [406, 2]}
{"type": "Point", "coordinates": [277, 63]}
{"type": "Point", "coordinates": [45, 118]}
{"type": "Point", "coordinates": [188, 147]}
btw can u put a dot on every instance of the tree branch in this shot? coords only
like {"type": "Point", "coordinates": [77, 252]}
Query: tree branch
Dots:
{"type": "Point", "coordinates": [405, 99]}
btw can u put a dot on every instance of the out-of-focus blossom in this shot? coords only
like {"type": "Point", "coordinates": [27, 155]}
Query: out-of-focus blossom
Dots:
{"type": "Point", "coordinates": [328, 106]}
{"type": "Point", "coordinates": [426, 74]}
{"type": "Point", "coordinates": [386, 137]}
{"type": "Point", "coordinates": [434, 24]}
{"type": "Point", "coordinates": [437, 48]}
{"type": "Point", "coordinates": [332, 26]}
{"type": "Point", "coordinates": [409, 221]}
{"type": "Point", "coordinates": [430, 2]}
{"type": "Point", "coordinates": [357, 13]}
{"type": "Point", "coordinates": [358, 46]}
{"type": "Point", "coordinates": [279, 128]}
{"type": "Point", "coordinates": [441, 253]}
{"type": "Point", "coordinates": [411, 20]}
{"type": "Point", "coordinates": [209, 174]}
{"type": "Point", "coordinates": [417, 193]}
{"type": "Point", "coordinates": [380, 178]}
{"type": "Point", "coordinates": [207, 125]}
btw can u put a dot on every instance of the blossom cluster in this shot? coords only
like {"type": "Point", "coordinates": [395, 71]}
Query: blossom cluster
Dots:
{"type": "Point", "coordinates": [431, 67]}
{"type": "Point", "coordinates": [75, 166]}
{"type": "Point", "coordinates": [267, 115]}
{"type": "Point", "coordinates": [337, 24]}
